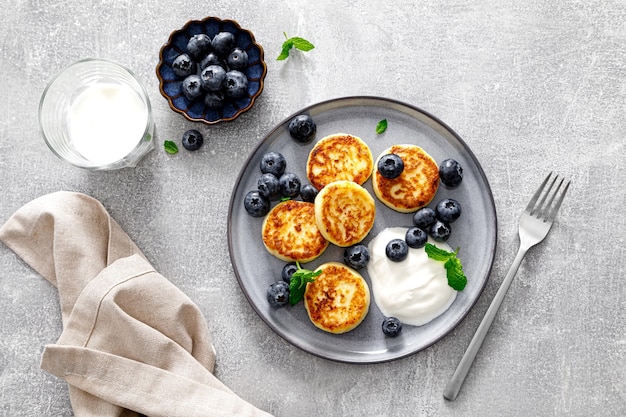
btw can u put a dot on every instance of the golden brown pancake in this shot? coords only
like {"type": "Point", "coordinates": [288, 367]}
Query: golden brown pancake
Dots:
{"type": "Point", "coordinates": [415, 187]}
{"type": "Point", "coordinates": [290, 232]}
{"type": "Point", "coordinates": [344, 212]}
{"type": "Point", "coordinates": [339, 157]}
{"type": "Point", "coordinates": [338, 300]}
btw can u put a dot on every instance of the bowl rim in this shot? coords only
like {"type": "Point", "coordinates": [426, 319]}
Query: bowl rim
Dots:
{"type": "Point", "coordinates": [184, 28]}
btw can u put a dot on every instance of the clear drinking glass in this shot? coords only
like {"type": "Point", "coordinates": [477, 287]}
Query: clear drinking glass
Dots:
{"type": "Point", "coordinates": [96, 114]}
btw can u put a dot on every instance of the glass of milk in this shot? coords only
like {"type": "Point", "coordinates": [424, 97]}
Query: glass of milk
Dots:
{"type": "Point", "coordinates": [95, 114]}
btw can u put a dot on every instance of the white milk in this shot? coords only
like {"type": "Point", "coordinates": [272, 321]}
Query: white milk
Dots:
{"type": "Point", "coordinates": [106, 121]}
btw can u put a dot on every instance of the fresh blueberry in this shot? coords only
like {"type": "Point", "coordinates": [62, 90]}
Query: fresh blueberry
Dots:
{"type": "Point", "coordinates": [424, 217]}
{"type": "Point", "coordinates": [356, 256]}
{"type": "Point", "coordinates": [214, 100]}
{"type": "Point", "coordinates": [236, 84]}
{"type": "Point", "coordinates": [390, 166]}
{"type": "Point", "coordinates": [237, 59]}
{"type": "Point", "coordinates": [183, 66]}
{"type": "Point", "coordinates": [448, 210]}
{"type": "Point", "coordinates": [278, 294]}
{"type": "Point", "coordinates": [192, 140]}
{"type": "Point", "coordinates": [302, 128]}
{"type": "Point", "coordinates": [397, 250]}
{"type": "Point", "coordinates": [288, 271]}
{"type": "Point", "coordinates": [192, 87]}
{"type": "Point", "coordinates": [255, 204]}
{"type": "Point", "coordinates": [451, 173]}
{"type": "Point", "coordinates": [212, 59]}
{"type": "Point", "coordinates": [440, 231]}
{"type": "Point", "coordinates": [223, 42]}
{"type": "Point", "coordinates": [213, 78]}
{"type": "Point", "coordinates": [416, 238]}
{"type": "Point", "coordinates": [199, 45]}
{"type": "Point", "coordinates": [274, 163]}
{"type": "Point", "coordinates": [308, 193]}
{"type": "Point", "coordinates": [289, 184]}
{"type": "Point", "coordinates": [269, 186]}
{"type": "Point", "coordinates": [392, 326]}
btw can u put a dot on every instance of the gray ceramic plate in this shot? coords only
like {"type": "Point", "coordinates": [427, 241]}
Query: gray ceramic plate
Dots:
{"type": "Point", "coordinates": [474, 232]}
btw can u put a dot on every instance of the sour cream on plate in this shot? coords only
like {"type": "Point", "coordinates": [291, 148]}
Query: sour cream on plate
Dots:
{"type": "Point", "coordinates": [416, 290]}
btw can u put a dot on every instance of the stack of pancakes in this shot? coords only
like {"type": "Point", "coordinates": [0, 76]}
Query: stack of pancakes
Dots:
{"type": "Point", "coordinates": [343, 214]}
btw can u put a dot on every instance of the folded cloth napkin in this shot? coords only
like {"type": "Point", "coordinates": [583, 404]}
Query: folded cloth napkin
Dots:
{"type": "Point", "coordinates": [132, 343]}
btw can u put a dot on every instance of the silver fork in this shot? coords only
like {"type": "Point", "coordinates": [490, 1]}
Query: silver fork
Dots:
{"type": "Point", "coordinates": [534, 226]}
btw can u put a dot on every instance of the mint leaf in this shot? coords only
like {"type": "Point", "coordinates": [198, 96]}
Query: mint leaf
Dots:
{"type": "Point", "coordinates": [298, 282]}
{"type": "Point", "coordinates": [454, 272]}
{"type": "Point", "coordinates": [381, 126]}
{"type": "Point", "coordinates": [436, 253]}
{"type": "Point", "coordinates": [302, 44]}
{"type": "Point", "coordinates": [170, 147]}
{"type": "Point", "coordinates": [295, 42]}
{"type": "Point", "coordinates": [453, 265]}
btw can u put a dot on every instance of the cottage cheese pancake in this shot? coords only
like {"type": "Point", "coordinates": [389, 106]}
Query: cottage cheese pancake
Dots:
{"type": "Point", "coordinates": [290, 232]}
{"type": "Point", "coordinates": [415, 290]}
{"type": "Point", "coordinates": [344, 212]}
{"type": "Point", "coordinates": [415, 187]}
{"type": "Point", "coordinates": [338, 300]}
{"type": "Point", "coordinates": [339, 157]}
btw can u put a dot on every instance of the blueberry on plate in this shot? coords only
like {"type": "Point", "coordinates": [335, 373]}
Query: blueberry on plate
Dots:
{"type": "Point", "coordinates": [450, 173]}
{"type": "Point", "coordinates": [183, 66]}
{"type": "Point", "coordinates": [390, 166]}
{"type": "Point", "coordinates": [274, 163]}
{"type": "Point", "coordinates": [356, 256]}
{"type": "Point", "coordinates": [278, 294]}
{"type": "Point", "coordinates": [214, 100]}
{"type": "Point", "coordinates": [237, 59]}
{"type": "Point", "coordinates": [236, 84]}
{"type": "Point", "coordinates": [256, 204]}
{"type": "Point", "coordinates": [213, 78]}
{"type": "Point", "coordinates": [308, 193]}
{"type": "Point", "coordinates": [192, 87]}
{"type": "Point", "coordinates": [269, 186]}
{"type": "Point", "coordinates": [424, 217]}
{"type": "Point", "coordinates": [199, 45]}
{"type": "Point", "coordinates": [397, 250]}
{"type": "Point", "coordinates": [302, 128]}
{"type": "Point", "coordinates": [288, 271]}
{"type": "Point", "coordinates": [289, 184]}
{"type": "Point", "coordinates": [448, 210]}
{"type": "Point", "coordinates": [392, 326]}
{"type": "Point", "coordinates": [440, 231]}
{"type": "Point", "coordinates": [416, 238]}
{"type": "Point", "coordinates": [192, 140]}
{"type": "Point", "coordinates": [223, 42]}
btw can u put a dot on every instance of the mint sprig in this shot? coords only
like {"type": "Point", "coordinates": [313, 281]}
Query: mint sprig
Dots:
{"type": "Point", "coordinates": [298, 282]}
{"type": "Point", "coordinates": [294, 42]}
{"type": "Point", "coordinates": [170, 147]}
{"type": "Point", "coordinates": [453, 265]}
{"type": "Point", "coordinates": [381, 126]}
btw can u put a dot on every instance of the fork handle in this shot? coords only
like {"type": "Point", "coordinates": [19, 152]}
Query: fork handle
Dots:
{"type": "Point", "coordinates": [453, 387]}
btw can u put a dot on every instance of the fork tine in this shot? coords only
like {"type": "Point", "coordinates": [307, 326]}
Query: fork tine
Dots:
{"type": "Point", "coordinates": [539, 208]}
{"type": "Point", "coordinates": [535, 197]}
{"type": "Point", "coordinates": [550, 217]}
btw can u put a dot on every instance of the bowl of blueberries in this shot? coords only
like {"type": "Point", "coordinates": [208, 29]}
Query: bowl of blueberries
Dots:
{"type": "Point", "coordinates": [211, 70]}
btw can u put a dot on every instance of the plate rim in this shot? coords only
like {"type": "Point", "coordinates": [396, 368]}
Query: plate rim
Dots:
{"type": "Point", "coordinates": [367, 100]}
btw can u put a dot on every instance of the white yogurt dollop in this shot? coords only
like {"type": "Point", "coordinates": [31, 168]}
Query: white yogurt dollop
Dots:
{"type": "Point", "coordinates": [416, 290]}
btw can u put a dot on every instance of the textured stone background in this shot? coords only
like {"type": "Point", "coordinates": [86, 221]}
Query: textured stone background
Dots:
{"type": "Point", "coordinates": [531, 86]}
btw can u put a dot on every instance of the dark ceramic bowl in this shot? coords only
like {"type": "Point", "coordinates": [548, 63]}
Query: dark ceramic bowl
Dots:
{"type": "Point", "coordinates": [170, 83]}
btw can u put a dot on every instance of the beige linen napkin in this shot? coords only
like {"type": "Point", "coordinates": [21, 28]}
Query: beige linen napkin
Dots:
{"type": "Point", "coordinates": [132, 343]}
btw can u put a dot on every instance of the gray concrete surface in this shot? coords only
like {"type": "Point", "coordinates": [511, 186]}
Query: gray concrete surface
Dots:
{"type": "Point", "coordinates": [531, 86]}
